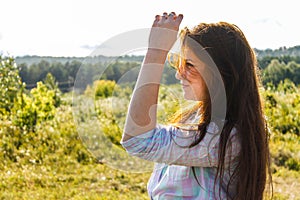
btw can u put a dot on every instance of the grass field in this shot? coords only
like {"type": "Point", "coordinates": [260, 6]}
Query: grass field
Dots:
{"type": "Point", "coordinates": [96, 181]}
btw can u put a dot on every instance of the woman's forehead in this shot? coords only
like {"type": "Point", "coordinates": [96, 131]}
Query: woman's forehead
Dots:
{"type": "Point", "coordinates": [192, 56]}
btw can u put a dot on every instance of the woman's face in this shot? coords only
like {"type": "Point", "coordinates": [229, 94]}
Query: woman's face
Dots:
{"type": "Point", "coordinates": [193, 84]}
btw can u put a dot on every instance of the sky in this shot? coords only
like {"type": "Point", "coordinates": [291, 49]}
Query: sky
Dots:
{"type": "Point", "coordinates": [75, 28]}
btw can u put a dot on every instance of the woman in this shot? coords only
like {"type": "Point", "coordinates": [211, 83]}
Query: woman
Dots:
{"type": "Point", "coordinates": [212, 149]}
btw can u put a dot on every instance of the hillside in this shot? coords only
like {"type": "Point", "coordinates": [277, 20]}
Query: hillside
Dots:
{"type": "Point", "coordinates": [282, 51]}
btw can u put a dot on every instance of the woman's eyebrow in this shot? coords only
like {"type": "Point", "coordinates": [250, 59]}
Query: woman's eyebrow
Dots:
{"type": "Point", "coordinates": [188, 60]}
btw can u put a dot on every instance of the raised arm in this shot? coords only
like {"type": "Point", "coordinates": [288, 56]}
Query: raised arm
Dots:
{"type": "Point", "coordinates": [141, 116]}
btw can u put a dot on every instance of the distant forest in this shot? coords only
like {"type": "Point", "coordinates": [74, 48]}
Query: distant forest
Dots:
{"type": "Point", "coordinates": [276, 65]}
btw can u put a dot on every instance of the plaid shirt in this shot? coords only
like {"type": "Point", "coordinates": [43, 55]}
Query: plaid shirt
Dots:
{"type": "Point", "coordinates": [173, 177]}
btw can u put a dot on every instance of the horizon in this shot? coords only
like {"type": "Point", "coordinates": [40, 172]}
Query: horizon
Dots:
{"type": "Point", "coordinates": [137, 55]}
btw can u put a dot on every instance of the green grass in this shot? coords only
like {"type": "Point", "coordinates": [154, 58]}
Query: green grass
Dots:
{"type": "Point", "coordinates": [70, 181]}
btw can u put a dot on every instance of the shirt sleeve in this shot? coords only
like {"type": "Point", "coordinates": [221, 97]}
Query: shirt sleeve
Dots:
{"type": "Point", "coordinates": [168, 144]}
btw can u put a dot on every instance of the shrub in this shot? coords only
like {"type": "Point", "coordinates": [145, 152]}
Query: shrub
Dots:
{"type": "Point", "coordinates": [10, 83]}
{"type": "Point", "coordinates": [282, 108]}
{"type": "Point", "coordinates": [51, 84]}
{"type": "Point", "coordinates": [30, 110]}
{"type": "Point", "coordinates": [104, 88]}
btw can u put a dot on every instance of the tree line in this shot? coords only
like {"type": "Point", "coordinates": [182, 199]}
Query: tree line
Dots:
{"type": "Point", "coordinates": [273, 70]}
{"type": "Point", "coordinates": [65, 74]}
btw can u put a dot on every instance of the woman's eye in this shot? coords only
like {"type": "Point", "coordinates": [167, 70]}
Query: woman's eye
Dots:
{"type": "Point", "coordinates": [189, 64]}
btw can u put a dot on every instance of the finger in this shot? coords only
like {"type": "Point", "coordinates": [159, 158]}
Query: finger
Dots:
{"type": "Point", "coordinates": [172, 15]}
{"type": "Point", "coordinates": [172, 18]}
{"type": "Point", "coordinates": [164, 16]}
{"type": "Point", "coordinates": [157, 18]}
{"type": "Point", "coordinates": [179, 19]}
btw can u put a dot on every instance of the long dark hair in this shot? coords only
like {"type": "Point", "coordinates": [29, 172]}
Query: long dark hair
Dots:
{"type": "Point", "coordinates": [236, 61]}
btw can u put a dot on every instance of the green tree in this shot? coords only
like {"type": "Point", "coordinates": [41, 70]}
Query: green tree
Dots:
{"type": "Point", "coordinates": [33, 109]}
{"type": "Point", "coordinates": [58, 71]}
{"type": "Point", "coordinates": [275, 72]}
{"type": "Point", "coordinates": [293, 72]}
{"type": "Point", "coordinates": [51, 84]}
{"type": "Point", "coordinates": [10, 83]}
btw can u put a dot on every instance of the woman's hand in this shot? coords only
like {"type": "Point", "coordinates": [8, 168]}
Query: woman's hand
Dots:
{"type": "Point", "coordinates": [164, 31]}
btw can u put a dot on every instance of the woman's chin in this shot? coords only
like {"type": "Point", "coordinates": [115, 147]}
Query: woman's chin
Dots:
{"type": "Point", "coordinates": [189, 97]}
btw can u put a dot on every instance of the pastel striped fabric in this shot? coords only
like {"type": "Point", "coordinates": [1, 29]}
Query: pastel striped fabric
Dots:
{"type": "Point", "coordinates": [173, 177]}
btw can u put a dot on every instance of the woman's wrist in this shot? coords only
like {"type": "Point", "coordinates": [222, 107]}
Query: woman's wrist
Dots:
{"type": "Point", "coordinates": [157, 56]}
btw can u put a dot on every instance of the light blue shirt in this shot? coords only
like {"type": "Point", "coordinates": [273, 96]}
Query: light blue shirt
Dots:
{"type": "Point", "coordinates": [172, 177]}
